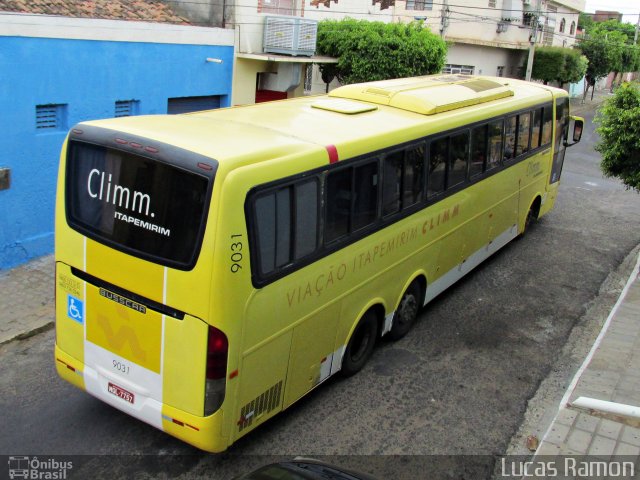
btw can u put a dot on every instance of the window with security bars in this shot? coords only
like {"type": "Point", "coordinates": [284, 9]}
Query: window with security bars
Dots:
{"type": "Point", "coordinates": [419, 5]}
{"type": "Point", "coordinates": [126, 108]}
{"type": "Point", "coordinates": [51, 117]}
{"type": "Point", "coordinates": [456, 69]}
{"type": "Point", "coordinates": [492, 3]}
{"type": "Point", "coordinates": [308, 79]}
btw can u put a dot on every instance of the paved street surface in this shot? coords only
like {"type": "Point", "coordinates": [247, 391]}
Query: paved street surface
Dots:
{"type": "Point", "coordinates": [458, 384]}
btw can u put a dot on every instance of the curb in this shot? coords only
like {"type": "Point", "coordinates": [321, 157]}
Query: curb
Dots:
{"type": "Point", "coordinates": [28, 333]}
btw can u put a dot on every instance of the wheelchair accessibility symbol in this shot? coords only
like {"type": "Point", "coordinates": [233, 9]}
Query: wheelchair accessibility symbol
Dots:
{"type": "Point", "coordinates": [75, 309]}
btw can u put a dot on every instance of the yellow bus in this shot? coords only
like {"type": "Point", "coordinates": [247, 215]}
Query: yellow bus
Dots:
{"type": "Point", "coordinates": [212, 268]}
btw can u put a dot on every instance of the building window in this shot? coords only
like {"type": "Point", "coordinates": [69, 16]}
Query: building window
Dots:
{"type": "Point", "coordinates": [419, 5]}
{"type": "Point", "coordinates": [500, 71]}
{"type": "Point", "coordinates": [492, 3]}
{"type": "Point", "coordinates": [192, 104]}
{"type": "Point", "coordinates": [455, 69]}
{"type": "Point", "coordinates": [572, 31]}
{"type": "Point", "coordinates": [563, 23]}
{"type": "Point", "coordinates": [127, 108]}
{"type": "Point", "coordinates": [51, 117]}
{"type": "Point", "coordinates": [277, 7]}
{"type": "Point", "coordinates": [308, 79]}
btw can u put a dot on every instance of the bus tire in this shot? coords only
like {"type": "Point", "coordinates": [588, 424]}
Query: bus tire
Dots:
{"type": "Point", "coordinates": [407, 312]}
{"type": "Point", "coordinates": [360, 346]}
{"type": "Point", "coordinates": [532, 216]}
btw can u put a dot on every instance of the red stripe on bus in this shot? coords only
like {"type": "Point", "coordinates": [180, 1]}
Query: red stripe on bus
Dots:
{"type": "Point", "coordinates": [333, 153]}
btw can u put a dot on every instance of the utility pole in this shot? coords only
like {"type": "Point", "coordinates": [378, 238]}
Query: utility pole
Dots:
{"type": "Point", "coordinates": [444, 19]}
{"type": "Point", "coordinates": [533, 37]}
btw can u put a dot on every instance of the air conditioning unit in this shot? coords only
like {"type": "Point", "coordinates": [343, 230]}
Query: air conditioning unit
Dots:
{"type": "Point", "coordinates": [527, 3]}
{"type": "Point", "coordinates": [290, 35]}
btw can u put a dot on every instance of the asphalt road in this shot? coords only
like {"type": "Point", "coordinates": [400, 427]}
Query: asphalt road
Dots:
{"type": "Point", "coordinates": [457, 386]}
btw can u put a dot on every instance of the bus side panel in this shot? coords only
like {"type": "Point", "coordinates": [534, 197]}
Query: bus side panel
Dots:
{"type": "Point", "coordinates": [533, 178]}
{"type": "Point", "coordinates": [263, 374]}
{"type": "Point", "coordinates": [312, 352]}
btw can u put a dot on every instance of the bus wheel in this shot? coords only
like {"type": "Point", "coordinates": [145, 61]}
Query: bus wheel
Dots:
{"type": "Point", "coordinates": [360, 345]}
{"type": "Point", "coordinates": [406, 314]}
{"type": "Point", "coordinates": [532, 216]}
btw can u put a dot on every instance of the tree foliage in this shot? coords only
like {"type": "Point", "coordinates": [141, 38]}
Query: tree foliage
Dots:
{"type": "Point", "coordinates": [619, 128]}
{"type": "Point", "coordinates": [369, 51]}
{"type": "Point", "coordinates": [557, 64]}
{"type": "Point", "coordinates": [610, 47]}
{"type": "Point", "coordinates": [604, 50]}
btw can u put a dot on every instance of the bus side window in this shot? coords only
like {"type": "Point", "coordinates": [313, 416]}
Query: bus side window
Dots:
{"type": "Point", "coordinates": [478, 150]}
{"type": "Point", "coordinates": [437, 166]}
{"type": "Point", "coordinates": [273, 222]}
{"type": "Point", "coordinates": [365, 209]}
{"type": "Point", "coordinates": [510, 137]}
{"type": "Point", "coordinates": [458, 159]}
{"type": "Point", "coordinates": [536, 129]}
{"type": "Point", "coordinates": [547, 120]}
{"type": "Point", "coordinates": [495, 144]}
{"type": "Point", "coordinates": [391, 183]}
{"type": "Point", "coordinates": [524, 128]}
{"type": "Point", "coordinates": [338, 204]}
{"type": "Point", "coordinates": [413, 178]}
{"type": "Point", "coordinates": [306, 214]}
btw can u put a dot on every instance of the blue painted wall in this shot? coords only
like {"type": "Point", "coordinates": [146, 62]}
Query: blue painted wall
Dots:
{"type": "Point", "coordinates": [87, 76]}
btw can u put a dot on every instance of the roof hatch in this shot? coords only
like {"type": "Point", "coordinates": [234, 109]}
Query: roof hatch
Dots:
{"type": "Point", "coordinates": [427, 95]}
{"type": "Point", "coordinates": [343, 106]}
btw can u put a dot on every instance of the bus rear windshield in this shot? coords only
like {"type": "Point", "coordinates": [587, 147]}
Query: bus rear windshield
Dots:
{"type": "Point", "coordinates": [135, 204]}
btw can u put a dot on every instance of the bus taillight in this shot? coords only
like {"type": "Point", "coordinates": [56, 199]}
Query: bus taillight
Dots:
{"type": "Point", "coordinates": [217, 350]}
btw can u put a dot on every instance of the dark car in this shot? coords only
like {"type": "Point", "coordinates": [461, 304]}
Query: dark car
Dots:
{"type": "Point", "coordinates": [304, 469]}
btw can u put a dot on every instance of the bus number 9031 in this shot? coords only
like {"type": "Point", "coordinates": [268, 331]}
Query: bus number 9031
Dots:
{"type": "Point", "coordinates": [236, 254]}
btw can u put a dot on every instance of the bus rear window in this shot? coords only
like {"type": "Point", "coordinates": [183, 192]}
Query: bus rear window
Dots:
{"type": "Point", "coordinates": [142, 206]}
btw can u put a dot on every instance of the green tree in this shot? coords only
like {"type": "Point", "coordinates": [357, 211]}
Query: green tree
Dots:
{"type": "Point", "coordinates": [369, 51]}
{"type": "Point", "coordinates": [585, 21]}
{"type": "Point", "coordinates": [603, 49]}
{"type": "Point", "coordinates": [557, 64]}
{"type": "Point", "coordinates": [619, 128]}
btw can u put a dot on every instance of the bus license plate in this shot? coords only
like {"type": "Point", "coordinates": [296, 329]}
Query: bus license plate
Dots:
{"type": "Point", "coordinates": [121, 393]}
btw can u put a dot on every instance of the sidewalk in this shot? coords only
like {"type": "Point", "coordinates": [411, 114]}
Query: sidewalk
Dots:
{"type": "Point", "coordinates": [600, 412]}
{"type": "Point", "coordinates": [27, 299]}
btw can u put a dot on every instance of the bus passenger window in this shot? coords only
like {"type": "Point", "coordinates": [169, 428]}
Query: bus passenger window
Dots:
{"type": "Point", "coordinates": [338, 205]}
{"type": "Point", "coordinates": [273, 222]}
{"type": "Point", "coordinates": [306, 213]}
{"type": "Point", "coordinates": [366, 195]}
{"type": "Point", "coordinates": [458, 159]}
{"type": "Point", "coordinates": [547, 121]}
{"type": "Point", "coordinates": [524, 123]}
{"type": "Point", "coordinates": [391, 183]}
{"type": "Point", "coordinates": [437, 166]}
{"type": "Point", "coordinates": [413, 182]}
{"type": "Point", "coordinates": [536, 129]}
{"type": "Point", "coordinates": [478, 150]}
{"type": "Point", "coordinates": [495, 144]}
{"type": "Point", "coordinates": [510, 137]}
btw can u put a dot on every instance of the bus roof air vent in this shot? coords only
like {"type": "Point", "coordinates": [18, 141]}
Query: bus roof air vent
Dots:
{"type": "Point", "coordinates": [427, 95]}
{"type": "Point", "coordinates": [343, 106]}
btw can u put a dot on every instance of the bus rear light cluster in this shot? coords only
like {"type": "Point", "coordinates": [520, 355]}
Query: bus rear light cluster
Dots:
{"type": "Point", "coordinates": [216, 371]}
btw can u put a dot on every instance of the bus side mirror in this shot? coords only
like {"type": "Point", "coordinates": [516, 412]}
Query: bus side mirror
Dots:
{"type": "Point", "coordinates": [578, 126]}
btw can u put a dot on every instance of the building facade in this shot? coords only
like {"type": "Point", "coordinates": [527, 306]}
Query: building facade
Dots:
{"type": "Point", "coordinates": [486, 37]}
{"type": "Point", "coordinates": [58, 71]}
{"type": "Point", "coordinates": [492, 37]}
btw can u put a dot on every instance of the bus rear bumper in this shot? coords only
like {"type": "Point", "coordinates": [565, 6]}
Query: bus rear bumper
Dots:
{"type": "Point", "coordinates": [204, 433]}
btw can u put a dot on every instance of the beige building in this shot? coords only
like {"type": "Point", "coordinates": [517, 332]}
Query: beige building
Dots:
{"type": "Point", "coordinates": [492, 37]}
{"type": "Point", "coordinates": [275, 39]}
